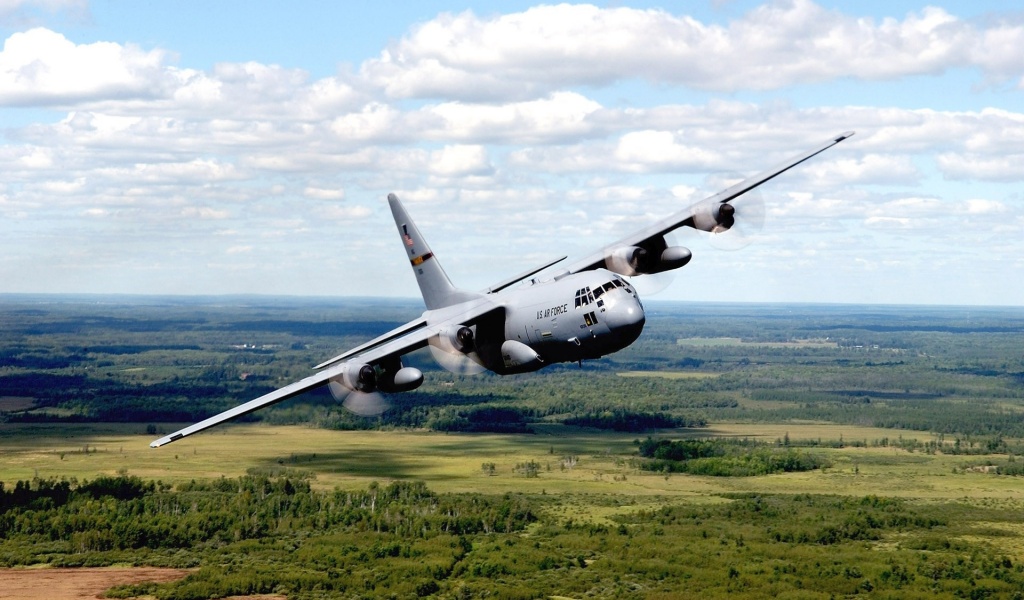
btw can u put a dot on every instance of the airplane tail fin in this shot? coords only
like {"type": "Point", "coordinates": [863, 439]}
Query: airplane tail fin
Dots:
{"type": "Point", "coordinates": [437, 289]}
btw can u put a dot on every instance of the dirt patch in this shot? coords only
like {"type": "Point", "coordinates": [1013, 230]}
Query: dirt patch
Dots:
{"type": "Point", "coordinates": [47, 584]}
{"type": "Point", "coordinates": [76, 584]}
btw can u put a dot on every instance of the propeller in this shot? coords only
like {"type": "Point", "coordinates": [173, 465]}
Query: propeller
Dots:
{"type": "Point", "coordinates": [364, 404]}
{"type": "Point", "coordinates": [454, 358]}
{"type": "Point", "coordinates": [650, 284]}
{"type": "Point", "coordinates": [741, 221]}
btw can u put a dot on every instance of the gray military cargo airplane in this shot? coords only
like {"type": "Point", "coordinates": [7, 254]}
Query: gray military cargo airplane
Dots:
{"type": "Point", "coordinates": [581, 312]}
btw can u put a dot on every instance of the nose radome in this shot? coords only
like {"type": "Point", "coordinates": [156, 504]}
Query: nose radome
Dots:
{"type": "Point", "coordinates": [626, 320]}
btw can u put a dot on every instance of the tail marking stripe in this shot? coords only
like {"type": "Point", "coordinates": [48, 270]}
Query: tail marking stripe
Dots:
{"type": "Point", "coordinates": [419, 260]}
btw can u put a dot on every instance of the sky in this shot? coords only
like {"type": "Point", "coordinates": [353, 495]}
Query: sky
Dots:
{"type": "Point", "coordinates": [207, 148]}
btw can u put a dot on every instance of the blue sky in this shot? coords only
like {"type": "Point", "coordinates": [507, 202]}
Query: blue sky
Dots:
{"type": "Point", "coordinates": [238, 147]}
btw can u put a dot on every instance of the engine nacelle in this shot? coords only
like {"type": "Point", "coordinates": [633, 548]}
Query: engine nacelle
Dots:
{"type": "Point", "coordinates": [364, 378]}
{"type": "Point", "coordinates": [627, 260]}
{"type": "Point", "coordinates": [714, 216]}
{"type": "Point", "coordinates": [359, 377]}
{"type": "Point", "coordinates": [460, 337]}
{"type": "Point", "coordinates": [634, 260]}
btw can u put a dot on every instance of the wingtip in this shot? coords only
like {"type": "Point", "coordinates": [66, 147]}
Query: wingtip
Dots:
{"type": "Point", "coordinates": [845, 135]}
{"type": "Point", "coordinates": [166, 440]}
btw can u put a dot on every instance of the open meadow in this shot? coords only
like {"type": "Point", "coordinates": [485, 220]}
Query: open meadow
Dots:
{"type": "Point", "coordinates": [572, 461]}
{"type": "Point", "coordinates": [741, 451]}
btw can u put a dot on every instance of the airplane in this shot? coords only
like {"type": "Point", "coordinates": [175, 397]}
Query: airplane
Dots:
{"type": "Point", "coordinates": [582, 312]}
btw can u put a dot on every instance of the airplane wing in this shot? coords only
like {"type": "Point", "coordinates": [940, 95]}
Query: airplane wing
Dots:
{"type": "Point", "coordinates": [390, 336]}
{"type": "Point", "coordinates": [653, 235]}
{"type": "Point", "coordinates": [400, 341]}
{"type": "Point", "coordinates": [266, 400]}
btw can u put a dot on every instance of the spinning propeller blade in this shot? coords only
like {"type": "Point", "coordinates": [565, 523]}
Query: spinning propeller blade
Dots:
{"type": "Point", "coordinates": [364, 404]}
{"type": "Point", "coordinates": [455, 361]}
{"type": "Point", "coordinates": [745, 221]}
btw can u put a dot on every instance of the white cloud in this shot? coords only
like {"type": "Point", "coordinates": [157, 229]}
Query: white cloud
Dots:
{"type": "Point", "coordinates": [36, 158]}
{"type": "Point", "coordinates": [324, 193]}
{"type": "Point", "coordinates": [886, 223]}
{"type": "Point", "coordinates": [868, 168]}
{"type": "Point", "coordinates": [770, 47]}
{"type": "Point", "coordinates": [909, 208]}
{"type": "Point", "coordinates": [339, 212]}
{"type": "Point", "coordinates": [646, 150]}
{"type": "Point", "coordinates": [991, 168]}
{"type": "Point", "coordinates": [194, 171]}
{"type": "Point", "coordinates": [63, 187]}
{"type": "Point", "coordinates": [460, 160]}
{"type": "Point", "coordinates": [204, 212]}
{"type": "Point", "coordinates": [374, 121]}
{"type": "Point", "coordinates": [982, 206]}
{"type": "Point", "coordinates": [559, 115]}
{"type": "Point", "coordinates": [40, 66]}
{"type": "Point", "coordinates": [24, 12]}
{"type": "Point", "coordinates": [804, 206]}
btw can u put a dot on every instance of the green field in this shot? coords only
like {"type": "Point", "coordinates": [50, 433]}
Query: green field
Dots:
{"type": "Point", "coordinates": [451, 463]}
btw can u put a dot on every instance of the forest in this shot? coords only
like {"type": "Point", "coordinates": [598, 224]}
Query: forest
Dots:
{"type": "Point", "coordinates": [957, 371]}
{"type": "Point", "coordinates": [260, 535]}
{"type": "Point", "coordinates": [687, 507]}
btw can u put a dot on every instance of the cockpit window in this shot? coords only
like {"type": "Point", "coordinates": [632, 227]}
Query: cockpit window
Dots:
{"type": "Point", "coordinates": [583, 297]}
{"type": "Point", "coordinates": [598, 292]}
{"type": "Point", "coordinates": [609, 286]}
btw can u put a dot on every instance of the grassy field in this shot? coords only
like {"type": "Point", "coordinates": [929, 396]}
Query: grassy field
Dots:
{"type": "Point", "coordinates": [453, 462]}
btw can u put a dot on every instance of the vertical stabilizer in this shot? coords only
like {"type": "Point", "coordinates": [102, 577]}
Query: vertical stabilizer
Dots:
{"type": "Point", "coordinates": [437, 289]}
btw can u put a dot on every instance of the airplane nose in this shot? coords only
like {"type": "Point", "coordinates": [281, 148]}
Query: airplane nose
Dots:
{"type": "Point", "coordinates": [626, 320]}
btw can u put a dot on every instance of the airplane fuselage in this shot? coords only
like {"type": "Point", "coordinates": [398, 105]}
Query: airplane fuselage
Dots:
{"type": "Point", "coordinates": [577, 317]}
